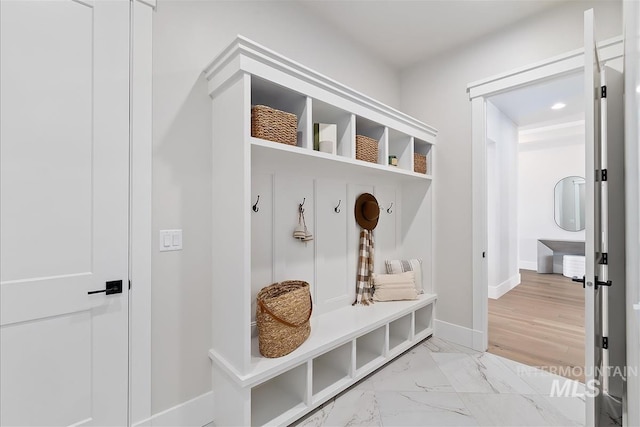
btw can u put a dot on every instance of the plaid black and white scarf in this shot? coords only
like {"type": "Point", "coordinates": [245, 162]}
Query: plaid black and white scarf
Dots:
{"type": "Point", "coordinates": [364, 292]}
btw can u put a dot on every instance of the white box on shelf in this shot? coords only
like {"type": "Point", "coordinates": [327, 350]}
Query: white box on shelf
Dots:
{"type": "Point", "coordinates": [328, 147]}
{"type": "Point", "coordinates": [325, 137]}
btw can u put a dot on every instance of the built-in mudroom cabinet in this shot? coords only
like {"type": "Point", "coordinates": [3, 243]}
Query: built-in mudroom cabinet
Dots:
{"type": "Point", "coordinates": [258, 186]}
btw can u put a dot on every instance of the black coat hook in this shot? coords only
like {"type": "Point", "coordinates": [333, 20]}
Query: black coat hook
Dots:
{"type": "Point", "coordinates": [337, 208]}
{"type": "Point", "coordinates": [389, 208]}
{"type": "Point", "coordinates": [255, 206]}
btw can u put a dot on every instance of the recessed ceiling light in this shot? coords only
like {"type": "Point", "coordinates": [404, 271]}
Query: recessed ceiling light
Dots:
{"type": "Point", "coordinates": [558, 106]}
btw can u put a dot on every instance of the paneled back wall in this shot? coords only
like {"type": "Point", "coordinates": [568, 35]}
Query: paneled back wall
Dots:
{"type": "Point", "coordinates": [329, 262]}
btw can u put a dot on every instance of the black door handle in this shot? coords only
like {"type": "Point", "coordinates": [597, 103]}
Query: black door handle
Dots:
{"type": "Point", "coordinates": [576, 279]}
{"type": "Point", "coordinates": [596, 281]}
{"type": "Point", "coordinates": [113, 287]}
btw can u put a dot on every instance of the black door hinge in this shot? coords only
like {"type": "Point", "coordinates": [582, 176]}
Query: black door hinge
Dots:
{"type": "Point", "coordinates": [603, 175]}
{"type": "Point", "coordinates": [129, 284]}
{"type": "Point", "coordinates": [603, 92]}
{"type": "Point", "coordinates": [604, 258]}
{"type": "Point", "coordinates": [605, 342]}
{"type": "Point", "coordinates": [484, 254]}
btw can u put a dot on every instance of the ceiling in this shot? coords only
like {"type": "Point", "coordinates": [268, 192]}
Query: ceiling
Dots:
{"type": "Point", "coordinates": [530, 106]}
{"type": "Point", "coordinates": [403, 32]}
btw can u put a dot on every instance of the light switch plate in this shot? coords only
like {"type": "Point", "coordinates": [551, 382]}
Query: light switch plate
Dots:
{"type": "Point", "coordinates": [176, 240]}
{"type": "Point", "coordinates": [170, 240]}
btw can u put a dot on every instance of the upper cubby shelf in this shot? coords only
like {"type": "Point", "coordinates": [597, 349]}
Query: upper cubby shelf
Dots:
{"type": "Point", "coordinates": [347, 132]}
{"type": "Point", "coordinates": [273, 73]}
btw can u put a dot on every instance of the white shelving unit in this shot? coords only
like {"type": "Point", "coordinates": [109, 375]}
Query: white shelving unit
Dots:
{"type": "Point", "coordinates": [254, 248]}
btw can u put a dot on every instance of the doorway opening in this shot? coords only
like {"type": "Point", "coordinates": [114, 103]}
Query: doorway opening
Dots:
{"type": "Point", "coordinates": [596, 345]}
{"type": "Point", "coordinates": [535, 224]}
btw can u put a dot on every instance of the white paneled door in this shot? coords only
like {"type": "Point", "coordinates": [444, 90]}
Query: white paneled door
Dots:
{"type": "Point", "coordinates": [64, 141]}
{"type": "Point", "coordinates": [593, 304]}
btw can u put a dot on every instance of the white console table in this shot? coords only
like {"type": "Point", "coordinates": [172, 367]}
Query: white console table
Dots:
{"type": "Point", "coordinates": [550, 253]}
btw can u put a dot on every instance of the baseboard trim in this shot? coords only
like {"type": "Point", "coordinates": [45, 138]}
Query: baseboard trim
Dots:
{"type": "Point", "coordinates": [456, 334]}
{"type": "Point", "coordinates": [496, 292]}
{"type": "Point", "coordinates": [196, 412]}
{"type": "Point", "coordinates": [528, 265]}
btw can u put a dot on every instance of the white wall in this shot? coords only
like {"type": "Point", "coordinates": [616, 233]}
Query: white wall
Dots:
{"type": "Point", "coordinates": [186, 36]}
{"type": "Point", "coordinates": [502, 202]}
{"type": "Point", "coordinates": [632, 188]}
{"type": "Point", "coordinates": [435, 92]}
{"type": "Point", "coordinates": [545, 156]}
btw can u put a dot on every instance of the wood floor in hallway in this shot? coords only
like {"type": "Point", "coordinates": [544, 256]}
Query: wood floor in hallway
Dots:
{"type": "Point", "coordinates": [540, 323]}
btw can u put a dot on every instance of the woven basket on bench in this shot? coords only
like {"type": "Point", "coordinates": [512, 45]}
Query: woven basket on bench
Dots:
{"type": "Point", "coordinates": [282, 314]}
{"type": "Point", "coordinates": [274, 125]}
{"type": "Point", "coordinates": [366, 149]}
{"type": "Point", "coordinates": [420, 163]}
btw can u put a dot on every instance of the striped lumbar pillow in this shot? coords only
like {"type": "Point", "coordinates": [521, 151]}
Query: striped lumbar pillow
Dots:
{"type": "Point", "coordinates": [397, 266]}
{"type": "Point", "coordinates": [394, 287]}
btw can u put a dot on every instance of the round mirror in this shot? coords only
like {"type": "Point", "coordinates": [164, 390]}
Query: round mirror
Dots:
{"type": "Point", "coordinates": [569, 203]}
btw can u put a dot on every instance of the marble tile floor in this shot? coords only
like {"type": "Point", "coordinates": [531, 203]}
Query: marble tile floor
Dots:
{"type": "Point", "coordinates": [442, 384]}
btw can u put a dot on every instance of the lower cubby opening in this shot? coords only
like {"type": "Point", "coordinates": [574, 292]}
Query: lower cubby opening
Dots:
{"type": "Point", "coordinates": [399, 331]}
{"type": "Point", "coordinates": [273, 398]}
{"type": "Point", "coordinates": [369, 347]}
{"type": "Point", "coordinates": [331, 370]}
{"type": "Point", "coordinates": [423, 319]}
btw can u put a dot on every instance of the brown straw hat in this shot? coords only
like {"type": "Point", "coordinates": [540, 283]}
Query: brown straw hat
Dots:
{"type": "Point", "coordinates": [367, 211]}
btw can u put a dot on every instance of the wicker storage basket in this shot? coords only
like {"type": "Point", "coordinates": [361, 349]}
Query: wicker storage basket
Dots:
{"type": "Point", "coordinates": [274, 125]}
{"type": "Point", "coordinates": [282, 314]}
{"type": "Point", "coordinates": [366, 149]}
{"type": "Point", "coordinates": [420, 163]}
